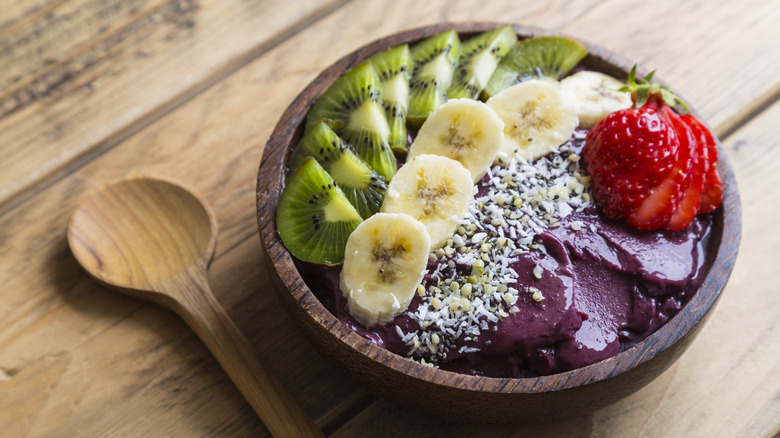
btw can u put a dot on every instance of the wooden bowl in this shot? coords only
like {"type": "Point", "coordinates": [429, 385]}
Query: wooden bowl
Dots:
{"type": "Point", "coordinates": [465, 397]}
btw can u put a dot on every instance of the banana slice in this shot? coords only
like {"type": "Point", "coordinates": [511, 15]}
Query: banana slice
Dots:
{"type": "Point", "coordinates": [433, 189]}
{"type": "Point", "coordinates": [594, 95]}
{"type": "Point", "coordinates": [465, 130]}
{"type": "Point", "coordinates": [385, 259]}
{"type": "Point", "coordinates": [536, 118]}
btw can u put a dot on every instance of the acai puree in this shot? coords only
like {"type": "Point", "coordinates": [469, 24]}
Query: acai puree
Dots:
{"type": "Point", "coordinates": [535, 281]}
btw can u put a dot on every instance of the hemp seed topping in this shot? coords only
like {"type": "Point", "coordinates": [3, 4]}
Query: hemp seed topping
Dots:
{"type": "Point", "coordinates": [473, 287]}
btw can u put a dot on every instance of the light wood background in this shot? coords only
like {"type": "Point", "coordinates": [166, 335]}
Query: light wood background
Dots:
{"type": "Point", "coordinates": [93, 90]}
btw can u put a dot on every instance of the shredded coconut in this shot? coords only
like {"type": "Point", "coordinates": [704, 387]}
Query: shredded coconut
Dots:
{"type": "Point", "coordinates": [470, 291]}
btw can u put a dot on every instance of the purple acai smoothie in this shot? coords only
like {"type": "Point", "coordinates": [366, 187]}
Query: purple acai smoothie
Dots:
{"type": "Point", "coordinates": [535, 281]}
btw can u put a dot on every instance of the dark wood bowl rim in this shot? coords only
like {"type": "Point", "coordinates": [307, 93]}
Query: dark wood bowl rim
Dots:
{"type": "Point", "coordinates": [726, 232]}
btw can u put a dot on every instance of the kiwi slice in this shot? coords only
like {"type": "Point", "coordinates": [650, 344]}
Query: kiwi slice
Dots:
{"type": "Point", "coordinates": [538, 57]}
{"type": "Point", "coordinates": [314, 217]}
{"type": "Point", "coordinates": [479, 57]}
{"type": "Point", "coordinates": [392, 66]}
{"type": "Point", "coordinates": [351, 105]}
{"type": "Point", "coordinates": [434, 61]}
{"type": "Point", "coordinates": [364, 188]}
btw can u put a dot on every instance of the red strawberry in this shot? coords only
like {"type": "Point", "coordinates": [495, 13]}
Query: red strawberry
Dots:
{"type": "Point", "coordinates": [628, 153]}
{"type": "Point", "coordinates": [663, 199]}
{"type": "Point", "coordinates": [651, 166]}
{"type": "Point", "coordinates": [712, 193]}
{"type": "Point", "coordinates": [691, 196]}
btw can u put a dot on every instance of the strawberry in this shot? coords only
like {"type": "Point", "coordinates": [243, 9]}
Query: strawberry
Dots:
{"type": "Point", "coordinates": [628, 153]}
{"type": "Point", "coordinates": [663, 200]}
{"type": "Point", "coordinates": [712, 193]}
{"type": "Point", "coordinates": [650, 165]}
{"type": "Point", "coordinates": [694, 184]}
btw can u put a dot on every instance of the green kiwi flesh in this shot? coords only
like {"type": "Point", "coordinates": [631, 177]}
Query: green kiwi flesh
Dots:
{"type": "Point", "coordinates": [314, 217]}
{"type": "Point", "coordinates": [364, 188]}
{"type": "Point", "coordinates": [479, 57]}
{"type": "Point", "coordinates": [352, 106]}
{"type": "Point", "coordinates": [341, 166]}
{"type": "Point", "coordinates": [544, 56]}
{"type": "Point", "coordinates": [433, 61]}
{"type": "Point", "coordinates": [392, 66]}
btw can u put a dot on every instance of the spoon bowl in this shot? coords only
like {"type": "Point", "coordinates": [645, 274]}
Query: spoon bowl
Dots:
{"type": "Point", "coordinates": [153, 239]}
{"type": "Point", "coordinates": [139, 234]}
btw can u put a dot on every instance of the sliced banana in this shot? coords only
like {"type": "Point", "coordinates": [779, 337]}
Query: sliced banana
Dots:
{"type": "Point", "coordinates": [465, 130]}
{"type": "Point", "coordinates": [433, 189]}
{"type": "Point", "coordinates": [385, 259]}
{"type": "Point", "coordinates": [594, 95]}
{"type": "Point", "coordinates": [537, 119]}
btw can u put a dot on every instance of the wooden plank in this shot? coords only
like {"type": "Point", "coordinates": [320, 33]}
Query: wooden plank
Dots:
{"type": "Point", "coordinates": [52, 33]}
{"type": "Point", "coordinates": [384, 419]}
{"type": "Point", "coordinates": [85, 74]}
{"type": "Point", "coordinates": [74, 355]}
{"type": "Point", "coordinates": [13, 12]}
{"type": "Point", "coordinates": [719, 55]}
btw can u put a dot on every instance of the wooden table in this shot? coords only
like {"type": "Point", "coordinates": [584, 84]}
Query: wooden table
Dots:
{"type": "Point", "coordinates": [94, 90]}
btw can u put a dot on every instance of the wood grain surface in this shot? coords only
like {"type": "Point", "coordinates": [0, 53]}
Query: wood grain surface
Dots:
{"type": "Point", "coordinates": [96, 90]}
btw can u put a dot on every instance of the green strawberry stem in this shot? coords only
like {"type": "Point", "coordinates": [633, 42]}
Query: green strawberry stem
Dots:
{"type": "Point", "coordinates": [645, 90]}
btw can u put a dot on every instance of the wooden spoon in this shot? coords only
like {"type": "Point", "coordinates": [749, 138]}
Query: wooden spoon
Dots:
{"type": "Point", "coordinates": [153, 239]}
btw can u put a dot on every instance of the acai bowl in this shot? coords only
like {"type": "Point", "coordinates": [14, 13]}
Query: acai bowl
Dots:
{"type": "Point", "coordinates": [556, 385]}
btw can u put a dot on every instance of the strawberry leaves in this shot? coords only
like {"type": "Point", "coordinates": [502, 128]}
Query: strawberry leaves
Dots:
{"type": "Point", "coordinates": [645, 90]}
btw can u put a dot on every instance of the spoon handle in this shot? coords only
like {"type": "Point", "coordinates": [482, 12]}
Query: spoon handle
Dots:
{"type": "Point", "coordinates": [281, 414]}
